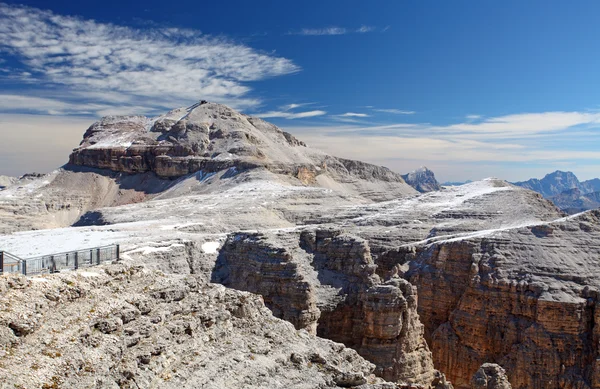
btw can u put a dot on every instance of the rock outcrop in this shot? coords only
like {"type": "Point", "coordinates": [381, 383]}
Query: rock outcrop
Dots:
{"type": "Point", "coordinates": [324, 281]}
{"type": "Point", "coordinates": [125, 326]}
{"type": "Point", "coordinates": [490, 376]}
{"type": "Point", "coordinates": [422, 180]}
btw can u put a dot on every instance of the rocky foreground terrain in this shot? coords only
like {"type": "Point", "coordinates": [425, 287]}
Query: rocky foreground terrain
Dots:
{"type": "Point", "coordinates": [484, 285]}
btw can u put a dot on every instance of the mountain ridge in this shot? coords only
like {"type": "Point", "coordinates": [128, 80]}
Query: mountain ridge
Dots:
{"type": "Point", "coordinates": [566, 191]}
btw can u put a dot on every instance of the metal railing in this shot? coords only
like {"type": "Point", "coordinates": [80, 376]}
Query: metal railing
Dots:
{"type": "Point", "coordinates": [71, 260]}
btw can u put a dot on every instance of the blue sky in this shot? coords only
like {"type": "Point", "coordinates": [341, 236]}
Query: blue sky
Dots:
{"type": "Point", "coordinates": [468, 88]}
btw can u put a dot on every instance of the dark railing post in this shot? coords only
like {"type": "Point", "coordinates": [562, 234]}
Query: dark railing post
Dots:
{"type": "Point", "coordinates": [97, 256]}
{"type": "Point", "coordinates": [25, 268]}
{"type": "Point", "coordinates": [52, 264]}
{"type": "Point", "coordinates": [91, 256]}
{"type": "Point", "coordinates": [1, 262]}
{"type": "Point", "coordinates": [118, 252]}
{"type": "Point", "coordinates": [76, 264]}
{"type": "Point", "coordinates": [67, 259]}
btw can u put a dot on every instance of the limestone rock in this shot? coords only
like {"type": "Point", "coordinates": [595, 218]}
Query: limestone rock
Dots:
{"type": "Point", "coordinates": [490, 376]}
{"type": "Point", "coordinates": [324, 281]}
{"type": "Point", "coordinates": [185, 334]}
{"type": "Point", "coordinates": [525, 297]}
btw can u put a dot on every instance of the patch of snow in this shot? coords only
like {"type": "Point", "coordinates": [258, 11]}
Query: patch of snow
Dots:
{"type": "Point", "coordinates": [210, 247]}
{"type": "Point", "coordinates": [150, 249]}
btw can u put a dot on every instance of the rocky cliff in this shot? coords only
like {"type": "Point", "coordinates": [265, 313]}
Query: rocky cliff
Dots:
{"type": "Point", "coordinates": [525, 298]}
{"type": "Point", "coordinates": [324, 281]}
{"type": "Point", "coordinates": [123, 326]}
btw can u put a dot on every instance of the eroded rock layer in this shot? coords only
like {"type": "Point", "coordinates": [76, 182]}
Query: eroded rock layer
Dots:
{"type": "Point", "coordinates": [525, 298]}
{"type": "Point", "coordinates": [325, 281]}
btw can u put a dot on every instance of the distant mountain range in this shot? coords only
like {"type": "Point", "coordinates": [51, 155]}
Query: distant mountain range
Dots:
{"type": "Point", "coordinates": [566, 191]}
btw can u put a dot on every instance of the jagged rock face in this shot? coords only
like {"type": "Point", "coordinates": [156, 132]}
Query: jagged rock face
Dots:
{"type": "Point", "coordinates": [490, 376]}
{"type": "Point", "coordinates": [574, 201]}
{"type": "Point", "coordinates": [125, 326]}
{"type": "Point", "coordinates": [525, 298]}
{"type": "Point", "coordinates": [422, 180]}
{"type": "Point", "coordinates": [325, 281]}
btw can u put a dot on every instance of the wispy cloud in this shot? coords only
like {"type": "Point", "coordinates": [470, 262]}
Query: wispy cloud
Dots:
{"type": "Point", "coordinates": [289, 107]}
{"type": "Point", "coordinates": [168, 66]}
{"type": "Point", "coordinates": [483, 148]}
{"type": "Point", "coordinates": [321, 31]}
{"type": "Point", "coordinates": [332, 31]}
{"type": "Point", "coordinates": [354, 114]}
{"type": "Point", "coordinates": [364, 29]}
{"type": "Point", "coordinates": [394, 111]}
{"type": "Point", "coordinates": [473, 117]}
{"type": "Point", "coordinates": [290, 115]}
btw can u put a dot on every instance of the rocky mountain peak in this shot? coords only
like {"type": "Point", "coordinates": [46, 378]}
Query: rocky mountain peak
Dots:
{"type": "Point", "coordinates": [552, 184]}
{"type": "Point", "coordinates": [212, 138]}
{"type": "Point", "coordinates": [422, 179]}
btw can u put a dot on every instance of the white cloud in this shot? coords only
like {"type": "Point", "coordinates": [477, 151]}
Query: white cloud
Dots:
{"type": "Point", "coordinates": [289, 107]}
{"type": "Point", "coordinates": [332, 31]}
{"type": "Point", "coordinates": [290, 115]}
{"type": "Point", "coordinates": [171, 67]}
{"type": "Point", "coordinates": [473, 117]}
{"type": "Point", "coordinates": [364, 29]}
{"type": "Point", "coordinates": [354, 114]}
{"type": "Point", "coordinates": [322, 31]}
{"type": "Point", "coordinates": [526, 123]}
{"type": "Point", "coordinates": [47, 106]}
{"type": "Point", "coordinates": [395, 111]}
